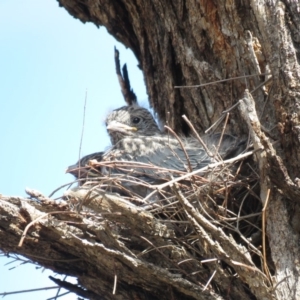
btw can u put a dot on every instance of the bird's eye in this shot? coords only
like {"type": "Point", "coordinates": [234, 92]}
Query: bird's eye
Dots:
{"type": "Point", "coordinates": [136, 120]}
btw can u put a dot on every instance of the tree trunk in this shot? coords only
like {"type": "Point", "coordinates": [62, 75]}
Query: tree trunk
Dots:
{"type": "Point", "coordinates": [180, 44]}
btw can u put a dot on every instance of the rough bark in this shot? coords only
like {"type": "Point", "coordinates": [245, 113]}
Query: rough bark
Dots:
{"type": "Point", "coordinates": [185, 43]}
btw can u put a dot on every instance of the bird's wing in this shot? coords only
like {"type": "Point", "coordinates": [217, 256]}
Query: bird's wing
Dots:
{"type": "Point", "coordinates": [161, 162]}
{"type": "Point", "coordinates": [230, 146]}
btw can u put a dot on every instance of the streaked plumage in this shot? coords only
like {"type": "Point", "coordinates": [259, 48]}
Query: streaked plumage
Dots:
{"type": "Point", "coordinates": [136, 137]}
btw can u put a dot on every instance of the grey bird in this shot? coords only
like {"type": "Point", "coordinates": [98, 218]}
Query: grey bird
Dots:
{"type": "Point", "coordinates": [136, 138]}
{"type": "Point", "coordinates": [129, 121]}
{"type": "Point", "coordinates": [83, 169]}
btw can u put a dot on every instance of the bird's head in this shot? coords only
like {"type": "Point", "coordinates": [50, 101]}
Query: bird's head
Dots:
{"type": "Point", "coordinates": [130, 121]}
{"type": "Point", "coordinates": [82, 169]}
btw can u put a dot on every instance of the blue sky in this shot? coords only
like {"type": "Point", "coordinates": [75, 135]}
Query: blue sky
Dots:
{"type": "Point", "coordinates": [49, 61]}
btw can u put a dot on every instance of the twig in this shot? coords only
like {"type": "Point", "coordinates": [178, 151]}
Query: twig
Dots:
{"type": "Point", "coordinates": [210, 166]}
{"type": "Point", "coordinates": [203, 226]}
{"type": "Point", "coordinates": [239, 212]}
{"type": "Point", "coordinates": [29, 291]}
{"type": "Point", "coordinates": [254, 269]}
{"type": "Point", "coordinates": [267, 272]}
{"type": "Point", "coordinates": [281, 281]}
{"type": "Point", "coordinates": [215, 124]}
{"type": "Point", "coordinates": [209, 280]}
{"type": "Point", "coordinates": [197, 135]}
{"type": "Point", "coordinates": [167, 258]}
{"type": "Point", "coordinates": [218, 81]}
{"type": "Point", "coordinates": [115, 284]}
{"type": "Point", "coordinates": [240, 217]}
{"type": "Point", "coordinates": [262, 84]}
{"type": "Point", "coordinates": [208, 260]}
{"type": "Point", "coordinates": [222, 134]}
{"type": "Point", "coordinates": [230, 108]}
{"type": "Point", "coordinates": [182, 146]}
{"type": "Point", "coordinates": [82, 131]}
{"type": "Point", "coordinates": [137, 165]}
{"type": "Point", "coordinates": [58, 291]}
{"type": "Point", "coordinates": [36, 220]}
{"type": "Point", "coordinates": [58, 295]}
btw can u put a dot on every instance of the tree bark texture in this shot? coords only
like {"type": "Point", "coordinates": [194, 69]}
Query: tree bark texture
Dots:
{"type": "Point", "coordinates": [185, 43]}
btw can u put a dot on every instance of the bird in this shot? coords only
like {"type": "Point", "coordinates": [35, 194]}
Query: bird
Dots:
{"type": "Point", "coordinates": [135, 136]}
{"type": "Point", "coordinates": [83, 169]}
{"type": "Point", "coordinates": [141, 149]}
{"type": "Point", "coordinates": [126, 121]}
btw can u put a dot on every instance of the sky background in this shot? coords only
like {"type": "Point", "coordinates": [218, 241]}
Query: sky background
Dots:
{"type": "Point", "coordinates": [49, 61]}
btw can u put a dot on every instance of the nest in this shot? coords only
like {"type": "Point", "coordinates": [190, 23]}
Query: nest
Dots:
{"type": "Point", "coordinates": [203, 226]}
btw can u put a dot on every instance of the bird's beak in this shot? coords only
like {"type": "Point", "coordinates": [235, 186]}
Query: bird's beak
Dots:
{"type": "Point", "coordinates": [117, 126]}
{"type": "Point", "coordinates": [72, 169]}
